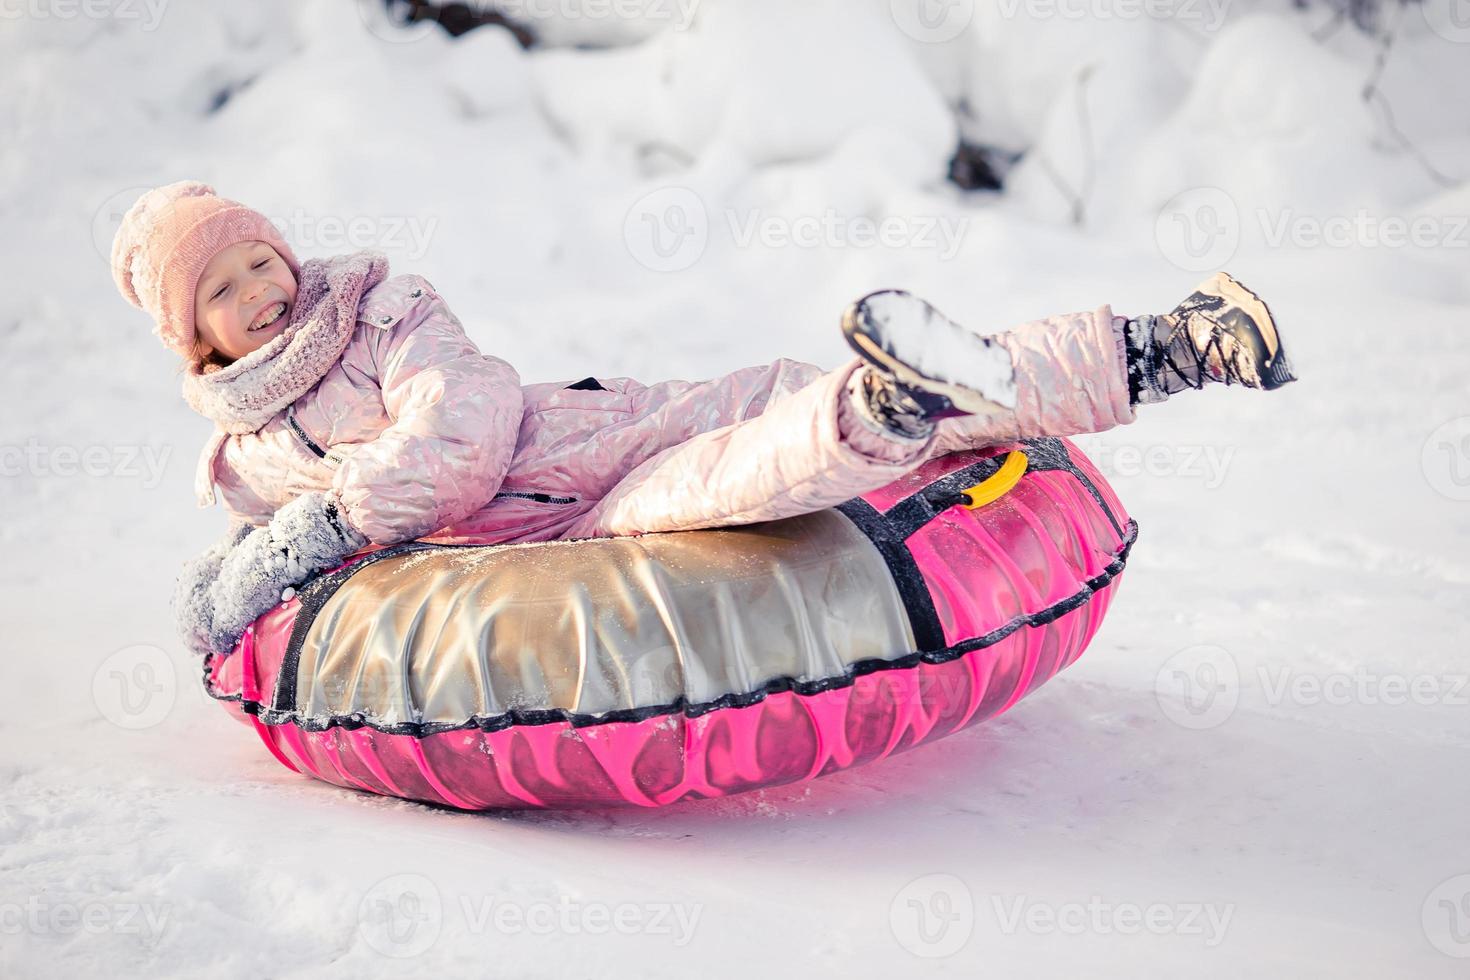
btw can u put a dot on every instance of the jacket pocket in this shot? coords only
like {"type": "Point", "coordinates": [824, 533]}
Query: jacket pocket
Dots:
{"type": "Point", "coordinates": [391, 301]}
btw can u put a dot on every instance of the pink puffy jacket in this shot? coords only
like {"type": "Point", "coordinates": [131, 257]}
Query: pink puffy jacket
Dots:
{"type": "Point", "coordinates": [422, 436]}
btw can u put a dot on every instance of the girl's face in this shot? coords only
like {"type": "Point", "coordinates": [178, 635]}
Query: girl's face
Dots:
{"type": "Point", "coordinates": [241, 288]}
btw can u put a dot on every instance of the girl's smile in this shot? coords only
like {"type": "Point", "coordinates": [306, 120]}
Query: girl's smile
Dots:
{"type": "Point", "coordinates": [243, 299]}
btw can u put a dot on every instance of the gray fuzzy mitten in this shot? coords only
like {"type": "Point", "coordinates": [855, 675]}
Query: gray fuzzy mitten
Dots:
{"type": "Point", "coordinates": [192, 605]}
{"type": "Point", "coordinates": [306, 536]}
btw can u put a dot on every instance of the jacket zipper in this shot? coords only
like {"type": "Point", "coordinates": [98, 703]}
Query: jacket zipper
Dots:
{"type": "Point", "coordinates": [540, 498]}
{"type": "Point", "coordinates": [301, 433]}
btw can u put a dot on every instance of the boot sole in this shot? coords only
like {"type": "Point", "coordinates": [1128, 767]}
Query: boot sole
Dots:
{"type": "Point", "coordinates": [860, 337]}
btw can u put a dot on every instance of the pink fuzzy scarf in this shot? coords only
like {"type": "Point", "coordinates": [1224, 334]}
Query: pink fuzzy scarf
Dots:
{"type": "Point", "coordinates": [243, 396]}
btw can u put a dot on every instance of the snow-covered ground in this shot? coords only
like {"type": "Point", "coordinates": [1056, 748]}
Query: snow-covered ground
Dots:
{"type": "Point", "coordinates": [1263, 762]}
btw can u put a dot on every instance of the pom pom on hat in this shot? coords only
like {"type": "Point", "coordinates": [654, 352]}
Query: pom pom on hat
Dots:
{"type": "Point", "coordinates": [164, 243]}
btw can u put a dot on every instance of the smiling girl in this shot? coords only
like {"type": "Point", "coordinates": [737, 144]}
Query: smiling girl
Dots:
{"type": "Point", "coordinates": [351, 409]}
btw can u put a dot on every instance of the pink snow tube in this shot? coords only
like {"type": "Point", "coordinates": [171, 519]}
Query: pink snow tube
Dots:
{"type": "Point", "coordinates": [666, 667]}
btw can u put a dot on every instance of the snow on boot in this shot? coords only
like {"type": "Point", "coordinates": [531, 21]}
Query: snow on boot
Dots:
{"type": "Point", "coordinates": [1222, 332]}
{"type": "Point", "coordinates": [922, 365]}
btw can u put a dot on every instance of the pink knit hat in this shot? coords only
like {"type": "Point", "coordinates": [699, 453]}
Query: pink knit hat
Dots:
{"type": "Point", "coordinates": [167, 238]}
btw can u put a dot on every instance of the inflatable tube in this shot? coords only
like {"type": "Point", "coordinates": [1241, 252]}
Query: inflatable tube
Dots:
{"type": "Point", "coordinates": [652, 669]}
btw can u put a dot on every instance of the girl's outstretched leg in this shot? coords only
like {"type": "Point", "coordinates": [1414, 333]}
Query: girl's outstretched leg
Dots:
{"type": "Point", "coordinates": [1080, 372]}
{"type": "Point", "coordinates": [805, 452]}
{"type": "Point", "coordinates": [1071, 377]}
{"type": "Point", "coordinates": [924, 373]}
{"type": "Point", "coordinates": [925, 386]}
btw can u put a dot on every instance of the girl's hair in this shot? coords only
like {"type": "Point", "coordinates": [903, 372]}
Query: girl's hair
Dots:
{"type": "Point", "coordinates": [202, 354]}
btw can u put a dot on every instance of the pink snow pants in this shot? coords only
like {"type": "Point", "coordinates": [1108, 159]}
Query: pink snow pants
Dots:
{"type": "Point", "coordinates": [806, 450]}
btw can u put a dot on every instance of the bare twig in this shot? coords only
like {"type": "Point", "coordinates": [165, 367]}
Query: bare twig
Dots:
{"type": "Point", "coordinates": [1077, 198]}
{"type": "Point", "coordinates": [1374, 96]}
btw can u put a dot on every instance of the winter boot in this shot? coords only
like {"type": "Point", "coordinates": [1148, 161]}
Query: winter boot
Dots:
{"type": "Point", "coordinates": [922, 366]}
{"type": "Point", "coordinates": [1222, 332]}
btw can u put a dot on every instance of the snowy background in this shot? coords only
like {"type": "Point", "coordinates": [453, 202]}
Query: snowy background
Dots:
{"type": "Point", "coordinates": [1263, 762]}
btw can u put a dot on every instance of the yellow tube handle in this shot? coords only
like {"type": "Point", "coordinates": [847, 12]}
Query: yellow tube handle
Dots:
{"type": "Point", "coordinates": [998, 484]}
